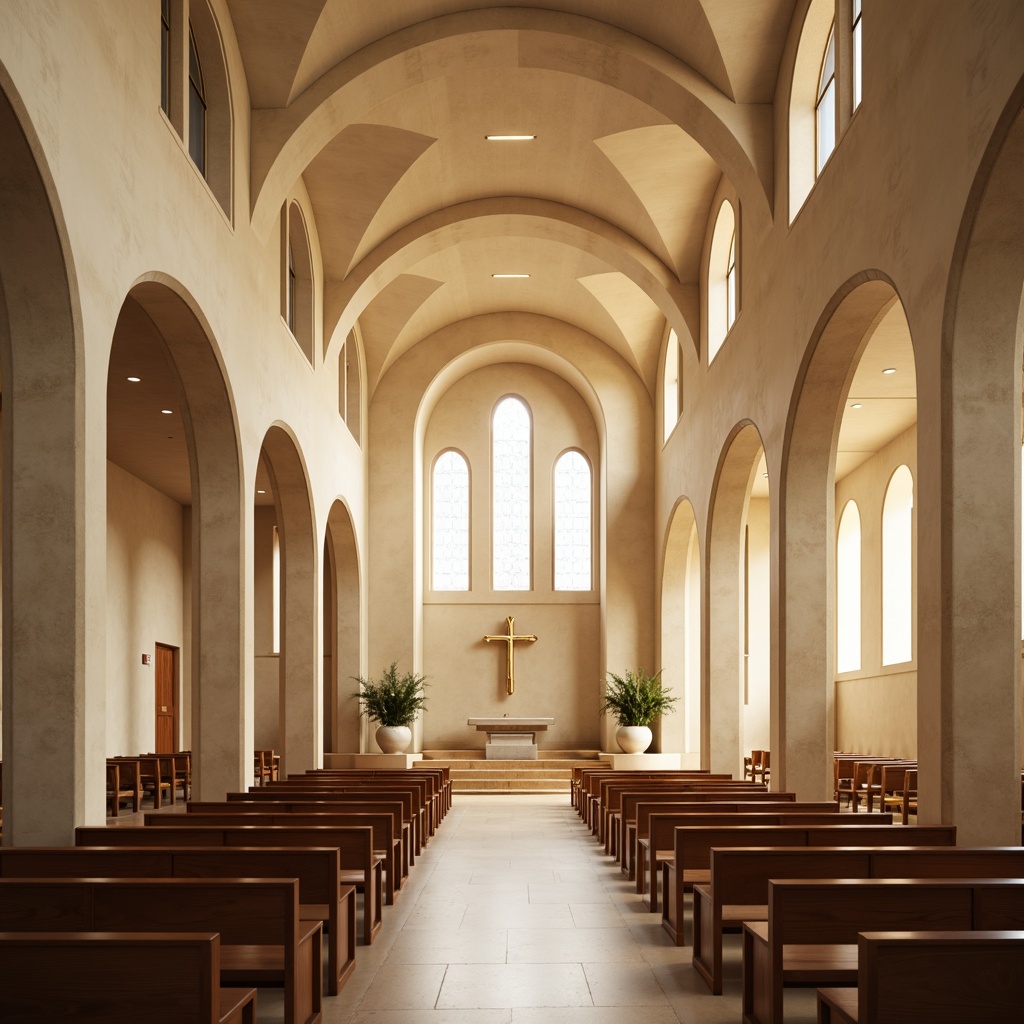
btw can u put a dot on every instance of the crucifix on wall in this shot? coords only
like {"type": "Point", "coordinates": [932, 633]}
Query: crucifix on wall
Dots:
{"type": "Point", "coordinates": [510, 659]}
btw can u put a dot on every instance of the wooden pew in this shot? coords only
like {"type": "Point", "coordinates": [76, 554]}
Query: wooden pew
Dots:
{"type": "Point", "coordinates": [103, 978]}
{"type": "Point", "coordinates": [384, 819]}
{"type": "Point", "coordinates": [591, 796]}
{"type": "Point", "coordinates": [322, 897]}
{"type": "Point", "coordinates": [934, 977]}
{"type": "Point", "coordinates": [810, 936]}
{"type": "Point", "coordinates": [691, 863]}
{"type": "Point", "coordinates": [438, 779]}
{"type": "Point", "coordinates": [738, 889]}
{"type": "Point", "coordinates": [263, 941]}
{"type": "Point", "coordinates": [660, 843]}
{"type": "Point", "coordinates": [360, 866]}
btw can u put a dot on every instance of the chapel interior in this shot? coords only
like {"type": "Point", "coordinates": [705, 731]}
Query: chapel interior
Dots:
{"type": "Point", "coordinates": [685, 332]}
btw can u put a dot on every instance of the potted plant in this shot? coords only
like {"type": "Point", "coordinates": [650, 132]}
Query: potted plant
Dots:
{"type": "Point", "coordinates": [394, 701]}
{"type": "Point", "coordinates": [635, 700]}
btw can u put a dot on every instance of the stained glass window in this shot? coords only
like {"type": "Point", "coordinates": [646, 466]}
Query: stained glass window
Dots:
{"type": "Point", "coordinates": [572, 522]}
{"type": "Point", "coordinates": [510, 439]}
{"type": "Point", "coordinates": [450, 527]}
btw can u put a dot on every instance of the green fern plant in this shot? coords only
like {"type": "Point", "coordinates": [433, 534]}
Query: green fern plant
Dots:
{"type": "Point", "coordinates": [636, 698]}
{"type": "Point", "coordinates": [392, 699]}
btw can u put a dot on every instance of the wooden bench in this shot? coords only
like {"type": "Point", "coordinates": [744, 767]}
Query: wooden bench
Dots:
{"type": "Point", "coordinates": [360, 866]}
{"type": "Point", "coordinates": [438, 779]}
{"type": "Point", "coordinates": [691, 862]}
{"type": "Point", "coordinates": [938, 977]}
{"type": "Point", "coordinates": [738, 890]}
{"type": "Point", "coordinates": [104, 978]}
{"type": "Point", "coordinates": [661, 842]}
{"type": "Point", "coordinates": [810, 937]}
{"type": "Point", "coordinates": [322, 897]}
{"type": "Point", "coordinates": [385, 820]}
{"type": "Point", "coordinates": [263, 941]}
{"type": "Point", "coordinates": [591, 796]}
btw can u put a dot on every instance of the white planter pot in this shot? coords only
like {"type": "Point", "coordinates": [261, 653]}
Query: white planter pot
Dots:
{"type": "Point", "coordinates": [393, 739]}
{"type": "Point", "coordinates": [633, 739]}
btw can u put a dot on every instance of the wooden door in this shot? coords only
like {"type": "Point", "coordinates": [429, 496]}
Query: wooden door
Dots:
{"type": "Point", "coordinates": [166, 699]}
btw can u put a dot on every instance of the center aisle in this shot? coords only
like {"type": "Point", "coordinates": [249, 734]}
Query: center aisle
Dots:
{"type": "Point", "coordinates": [513, 915]}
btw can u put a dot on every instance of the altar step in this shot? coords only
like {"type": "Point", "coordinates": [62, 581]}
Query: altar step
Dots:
{"type": "Point", "coordinates": [472, 773]}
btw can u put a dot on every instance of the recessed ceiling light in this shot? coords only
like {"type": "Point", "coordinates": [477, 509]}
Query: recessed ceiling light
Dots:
{"type": "Point", "coordinates": [514, 276]}
{"type": "Point", "coordinates": [857, 405]}
{"type": "Point", "coordinates": [135, 380]}
{"type": "Point", "coordinates": [510, 138]}
{"type": "Point", "coordinates": [261, 492]}
{"type": "Point", "coordinates": [765, 475]}
{"type": "Point", "coordinates": [889, 369]}
{"type": "Point", "coordinates": [167, 412]}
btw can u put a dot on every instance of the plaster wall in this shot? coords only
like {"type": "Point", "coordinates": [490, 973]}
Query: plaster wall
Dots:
{"type": "Point", "coordinates": [876, 707]}
{"type": "Point", "coordinates": [144, 604]}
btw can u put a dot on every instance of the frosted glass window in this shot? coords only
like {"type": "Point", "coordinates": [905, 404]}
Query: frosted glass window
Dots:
{"type": "Point", "coordinates": [825, 108]}
{"type": "Point", "coordinates": [572, 522]}
{"type": "Point", "coordinates": [858, 54]}
{"type": "Point", "coordinates": [722, 284]}
{"type": "Point", "coordinates": [673, 393]}
{"type": "Point", "coordinates": [730, 285]}
{"type": "Point", "coordinates": [897, 568]}
{"type": "Point", "coordinates": [450, 523]}
{"type": "Point", "coordinates": [510, 440]}
{"type": "Point", "coordinates": [848, 590]}
{"type": "Point", "coordinates": [196, 107]}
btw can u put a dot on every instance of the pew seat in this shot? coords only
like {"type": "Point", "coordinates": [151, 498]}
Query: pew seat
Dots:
{"type": "Point", "coordinates": [160, 979]}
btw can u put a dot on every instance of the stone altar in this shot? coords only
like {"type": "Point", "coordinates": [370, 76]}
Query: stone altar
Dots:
{"type": "Point", "coordinates": [510, 739]}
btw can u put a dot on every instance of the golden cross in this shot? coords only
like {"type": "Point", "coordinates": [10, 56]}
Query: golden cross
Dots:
{"type": "Point", "coordinates": [510, 639]}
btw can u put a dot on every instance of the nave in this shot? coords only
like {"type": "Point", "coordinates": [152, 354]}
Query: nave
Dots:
{"type": "Point", "coordinates": [515, 916]}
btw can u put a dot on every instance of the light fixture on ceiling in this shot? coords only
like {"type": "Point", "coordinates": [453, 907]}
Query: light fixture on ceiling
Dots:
{"type": "Point", "coordinates": [134, 380]}
{"type": "Point", "coordinates": [857, 405]}
{"type": "Point", "coordinates": [504, 277]}
{"type": "Point", "coordinates": [765, 475]}
{"type": "Point", "coordinates": [510, 138]}
{"type": "Point", "coordinates": [889, 369]}
{"type": "Point", "coordinates": [167, 412]}
{"type": "Point", "coordinates": [261, 492]}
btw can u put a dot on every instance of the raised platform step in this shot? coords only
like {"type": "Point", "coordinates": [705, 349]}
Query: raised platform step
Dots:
{"type": "Point", "coordinates": [475, 774]}
{"type": "Point", "coordinates": [477, 754]}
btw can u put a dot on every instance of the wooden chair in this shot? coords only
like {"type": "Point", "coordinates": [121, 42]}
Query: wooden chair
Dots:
{"type": "Point", "coordinates": [123, 783]}
{"type": "Point", "coordinates": [761, 769]}
{"type": "Point", "coordinates": [266, 766]}
{"type": "Point", "coordinates": [843, 774]}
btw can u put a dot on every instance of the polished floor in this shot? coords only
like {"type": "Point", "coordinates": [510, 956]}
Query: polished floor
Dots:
{"type": "Point", "coordinates": [513, 915]}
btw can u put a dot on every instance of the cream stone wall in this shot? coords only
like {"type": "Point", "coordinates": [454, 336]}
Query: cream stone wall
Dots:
{"type": "Point", "coordinates": [144, 604]}
{"type": "Point", "coordinates": [756, 732]}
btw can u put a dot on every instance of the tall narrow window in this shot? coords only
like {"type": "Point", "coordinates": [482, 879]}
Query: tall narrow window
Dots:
{"type": "Point", "coordinates": [511, 501]}
{"type": "Point", "coordinates": [825, 107]}
{"type": "Point", "coordinates": [858, 54]}
{"type": "Point", "coordinates": [673, 389]}
{"type": "Point", "coordinates": [730, 285]}
{"type": "Point", "coordinates": [276, 591]}
{"type": "Point", "coordinates": [573, 501]}
{"type": "Point", "coordinates": [450, 522]}
{"type": "Point", "coordinates": [848, 590]}
{"type": "Point", "coordinates": [897, 568]}
{"type": "Point", "coordinates": [196, 106]}
{"type": "Point", "coordinates": [165, 56]}
{"type": "Point", "coordinates": [290, 289]}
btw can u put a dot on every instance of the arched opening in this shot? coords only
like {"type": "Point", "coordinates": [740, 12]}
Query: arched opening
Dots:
{"type": "Point", "coordinates": [297, 291]}
{"type": "Point", "coordinates": [735, 701]}
{"type": "Point", "coordinates": [53, 762]}
{"type": "Point", "coordinates": [300, 704]}
{"type": "Point", "coordinates": [680, 638]}
{"type": "Point", "coordinates": [854, 421]}
{"type": "Point", "coordinates": [722, 286]}
{"type": "Point", "coordinates": [672, 384]}
{"type": "Point", "coordinates": [343, 627]}
{"type": "Point", "coordinates": [848, 590]}
{"type": "Point", "coordinates": [157, 459]}
{"type": "Point", "coordinates": [898, 568]}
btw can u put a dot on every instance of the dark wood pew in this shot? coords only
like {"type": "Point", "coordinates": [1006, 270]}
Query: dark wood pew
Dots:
{"type": "Point", "coordinates": [438, 779]}
{"type": "Point", "coordinates": [738, 889]}
{"type": "Point", "coordinates": [593, 783]}
{"type": "Point", "coordinates": [322, 897]}
{"type": "Point", "coordinates": [934, 977]}
{"type": "Point", "coordinates": [385, 820]}
{"type": "Point", "coordinates": [661, 842]}
{"type": "Point", "coordinates": [360, 866]}
{"type": "Point", "coordinates": [810, 936]}
{"type": "Point", "coordinates": [691, 863]}
{"type": "Point", "coordinates": [103, 978]}
{"type": "Point", "coordinates": [263, 941]}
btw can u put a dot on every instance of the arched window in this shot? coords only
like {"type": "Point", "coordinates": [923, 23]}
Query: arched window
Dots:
{"type": "Point", "coordinates": [673, 386]}
{"type": "Point", "coordinates": [825, 106]}
{"type": "Point", "coordinates": [722, 284]}
{"type": "Point", "coordinates": [573, 501]}
{"type": "Point", "coordinates": [450, 522]}
{"type": "Point", "coordinates": [858, 53]}
{"type": "Point", "coordinates": [848, 590]}
{"type": "Point", "coordinates": [196, 106]}
{"type": "Point", "coordinates": [165, 56]}
{"type": "Point", "coordinates": [297, 287]}
{"type": "Point", "coordinates": [511, 499]}
{"type": "Point", "coordinates": [897, 568]}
